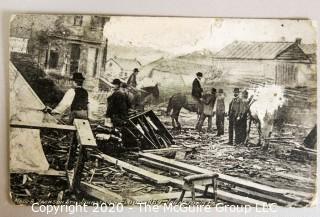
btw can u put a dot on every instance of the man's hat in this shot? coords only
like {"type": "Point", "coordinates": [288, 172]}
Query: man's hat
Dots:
{"type": "Point", "coordinates": [213, 90]}
{"type": "Point", "coordinates": [199, 74]}
{"type": "Point", "coordinates": [236, 90]}
{"type": "Point", "coordinates": [77, 76]}
{"type": "Point", "coordinates": [220, 91]}
{"type": "Point", "coordinates": [135, 70]}
{"type": "Point", "coordinates": [116, 81]}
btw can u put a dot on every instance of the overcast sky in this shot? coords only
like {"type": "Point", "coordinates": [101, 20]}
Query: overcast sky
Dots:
{"type": "Point", "coordinates": [183, 35]}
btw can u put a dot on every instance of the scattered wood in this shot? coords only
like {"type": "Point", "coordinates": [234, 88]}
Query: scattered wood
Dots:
{"type": "Point", "coordinates": [100, 193]}
{"type": "Point", "coordinates": [159, 179]}
{"type": "Point", "coordinates": [84, 133]}
{"type": "Point", "coordinates": [165, 150]}
{"type": "Point", "coordinates": [303, 154]}
{"type": "Point", "coordinates": [161, 196]}
{"type": "Point", "coordinates": [224, 178]}
{"type": "Point", "coordinates": [162, 166]}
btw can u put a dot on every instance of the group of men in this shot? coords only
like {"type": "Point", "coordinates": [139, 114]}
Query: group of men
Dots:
{"type": "Point", "coordinates": [77, 100]}
{"type": "Point", "coordinates": [210, 104]}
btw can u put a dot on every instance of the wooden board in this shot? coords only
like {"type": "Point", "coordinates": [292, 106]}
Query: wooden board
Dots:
{"type": "Point", "coordinates": [50, 172]}
{"type": "Point", "coordinates": [84, 133]}
{"type": "Point", "coordinates": [100, 193]}
{"type": "Point", "coordinates": [161, 196]}
{"type": "Point", "coordinates": [30, 125]}
{"type": "Point", "coordinates": [165, 150]}
{"type": "Point", "coordinates": [163, 166]}
{"type": "Point", "coordinates": [159, 179]}
{"type": "Point", "coordinates": [224, 178]}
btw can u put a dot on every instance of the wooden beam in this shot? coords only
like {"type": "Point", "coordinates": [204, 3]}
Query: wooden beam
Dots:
{"type": "Point", "coordinates": [162, 166]}
{"type": "Point", "coordinates": [49, 172]}
{"type": "Point", "coordinates": [165, 150]}
{"type": "Point", "coordinates": [84, 133]}
{"type": "Point", "coordinates": [100, 193]}
{"type": "Point", "coordinates": [161, 196]}
{"type": "Point", "coordinates": [159, 179]}
{"type": "Point", "coordinates": [29, 125]}
{"type": "Point", "coordinates": [224, 178]}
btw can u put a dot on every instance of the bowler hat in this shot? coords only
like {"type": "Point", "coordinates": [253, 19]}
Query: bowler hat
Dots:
{"type": "Point", "coordinates": [236, 90]}
{"type": "Point", "coordinates": [199, 74]}
{"type": "Point", "coordinates": [213, 90]}
{"type": "Point", "coordinates": [77, 76]}
{"type": "Point", "coordinates": [136, 70]}
{"type": "Point", "coordinates": [116, 81]}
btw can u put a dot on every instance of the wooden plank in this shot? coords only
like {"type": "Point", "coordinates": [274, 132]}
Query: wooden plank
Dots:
{"type": "Point", "coordinates": [224, 178]}
{"type": "Point", "coordinates": [163, 166]}
{"type": "Point", "coordinates": [223, 195]}
{"type": "Point", "coordinates": [30, 125]}
{"type": "Point", "coordinates": [165, 150]}
{"type": "Point", "coordinates": [50, 172]}
{"type": "Point", "coordinates": [159, 179]}
{"type": "Point", "coordinates": [161, 196]}
{"type": "Point", "coordinates": [84, 133]}
{"type": "Point", "coordinates": [100, 193]}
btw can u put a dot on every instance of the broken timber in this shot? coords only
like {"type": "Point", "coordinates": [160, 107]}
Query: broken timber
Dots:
{"type": "Point", "coordinates": [224, 178]}
{"type": "Point", "coordinates": [161, 196]}
{"type": "Point", "coordinates": [100, 193]}
{"type": "Point", "coordinates": [26, 125]}
{"type": "Point", "coordinates": [159, 179]}
{"type": "Point", "coordinates": [49, 172]}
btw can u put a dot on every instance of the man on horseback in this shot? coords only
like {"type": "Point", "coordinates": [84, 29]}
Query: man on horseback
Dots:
{"type": "Point", "coordinates": [132, 80]}
{"type": "Point", "coordinates": [197, 90]}
{"type": "Point", "coordinates": [234, 118]}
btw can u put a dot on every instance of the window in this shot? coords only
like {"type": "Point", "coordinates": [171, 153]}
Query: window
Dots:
{"type": "Point", "coordinates": [77, 21]}
{"type": "Point", "coordinates": [53, 61]}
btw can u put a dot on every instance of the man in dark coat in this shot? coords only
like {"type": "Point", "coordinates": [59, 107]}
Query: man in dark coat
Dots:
{"type": "Point", "coordinates": [118, 106]}
{"type": "Point", "coordinates": [208, 101]}
{"type": "Point", "coordinates": [197, 92]}
{"type": "Point", "coordinates": [220, 112]}
{"type": "Point", "coordinates": [234, 117]}
{"type": "Point", "coordinates": [132, 80]}
{"type": "Point", "coordinates": [244, 110]}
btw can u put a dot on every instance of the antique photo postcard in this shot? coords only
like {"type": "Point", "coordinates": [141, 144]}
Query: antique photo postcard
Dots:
{"type": "Point", "coordinates": [123, 110]}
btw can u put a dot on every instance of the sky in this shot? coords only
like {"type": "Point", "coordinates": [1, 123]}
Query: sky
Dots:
{"type": "Point", "coordinates": [185, 35]}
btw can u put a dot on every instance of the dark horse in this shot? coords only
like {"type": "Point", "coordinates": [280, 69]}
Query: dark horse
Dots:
{"type": "Point", "coordinates": [139, 97]}
{"type": "Point", "coordinates": [176, 103]}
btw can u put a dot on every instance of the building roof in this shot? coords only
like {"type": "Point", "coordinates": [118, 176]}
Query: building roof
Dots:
{"type": "Point", "coordinates": [126, 64]}
{"type": "Point", "coordinates": [260, 50]}
{"type": "Point", "coordinates": [309, 48]}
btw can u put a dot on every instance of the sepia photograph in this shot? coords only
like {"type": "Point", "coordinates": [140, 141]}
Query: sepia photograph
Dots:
{"type": "Point", "coordinates": [162, 110]}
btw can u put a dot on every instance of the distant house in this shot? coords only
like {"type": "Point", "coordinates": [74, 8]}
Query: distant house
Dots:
{"type": "Point", "coordinates": [310, 50]}
{"type": "Point", "coordinates": [120, 67]}
{"type": "Point", "coordinates": [282, 63]}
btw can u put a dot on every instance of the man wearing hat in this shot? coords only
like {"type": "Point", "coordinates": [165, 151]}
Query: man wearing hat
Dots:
{"type": "Point", "coordinates": [76, 99]}
{"type": "Point", "coordinates": [208, 101]}
{"type": "Point", "coordinates": [118, 105]}
{"type": "Point", "coordinates": [132, 80]}
{"type": "Point", "coordinates": [197, 91]}
{"type": "Point", "coordinates": [220, 112]}
{"type": "Point", "coordinates": [234, 118]}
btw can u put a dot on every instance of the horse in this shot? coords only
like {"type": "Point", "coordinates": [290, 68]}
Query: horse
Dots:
{"type": "Point", "coordinates": [143, 94]}
{"type": "Point", "coordinates": [263, 103]}
{"type": "Point", "coordinates": [175, 104]}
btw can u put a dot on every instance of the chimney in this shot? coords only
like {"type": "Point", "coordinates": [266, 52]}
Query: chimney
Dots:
{"type": "Point", "coordinates": [298, 41]}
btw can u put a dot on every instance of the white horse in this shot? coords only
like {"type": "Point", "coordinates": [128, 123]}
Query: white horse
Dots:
{"type": "Point", "coordinates": [264, 102]}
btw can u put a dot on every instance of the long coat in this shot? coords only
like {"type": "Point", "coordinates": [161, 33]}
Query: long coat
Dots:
{"type": "Point", "coordinates": [196, 89]}
{"type": "Point", "coordinates": [235, 108]}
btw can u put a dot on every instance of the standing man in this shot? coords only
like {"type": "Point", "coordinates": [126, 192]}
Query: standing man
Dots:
{"type": "Point", "coordinates": [132, 80]}
{"type": "Point", "coordinates": [244, 109]}
{"type": "Point", "coordinates": [234, 117]}
{"type": "Point", "coordinates": [118, 106]}
{"type": "Point", "coordinates": [76, 99]}
{"type": "Point", "coordinates": [208, 101]}
{"type": "Point", "coordinates": [197, 91]}
{"type": "Point", "coordinates": [220, 112]}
